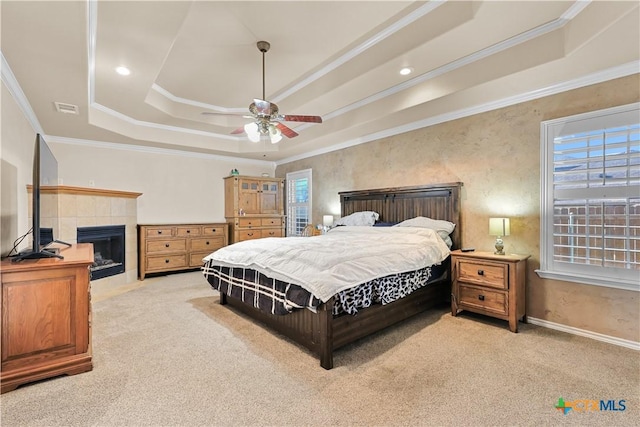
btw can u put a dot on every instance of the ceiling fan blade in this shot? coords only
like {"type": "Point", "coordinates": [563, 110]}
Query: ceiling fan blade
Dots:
{"type": "Point", "coordinates": [286, 131]}
{"type": "Point", "coordinates": [237, 131]}
{"type": "Point", "coordinates": [299, 118]}
{"type": "Point", "coordinates": [262, 106]}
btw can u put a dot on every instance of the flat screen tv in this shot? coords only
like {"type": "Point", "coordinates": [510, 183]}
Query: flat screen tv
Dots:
{"type": "Point", "coordinates": [45, 173]}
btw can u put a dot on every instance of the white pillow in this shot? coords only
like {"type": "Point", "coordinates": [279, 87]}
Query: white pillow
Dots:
{"type": "Point", "coordinates": [358, 218]}
{"type": "Point", "coordinates": [442, 227]}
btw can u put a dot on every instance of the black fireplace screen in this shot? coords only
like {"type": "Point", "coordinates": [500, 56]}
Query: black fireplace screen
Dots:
{"type": "Point", "coordinates": [108, 249]}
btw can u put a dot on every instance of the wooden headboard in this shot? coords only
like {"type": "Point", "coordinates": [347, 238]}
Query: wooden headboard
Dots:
{"type": "Point", "coordinates": [436, 201]}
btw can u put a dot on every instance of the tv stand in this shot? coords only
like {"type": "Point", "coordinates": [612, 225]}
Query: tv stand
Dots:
{"type": "Point", "coordinates": [46, 317]}
{"type": "Point", "coordinates": [45, 252]}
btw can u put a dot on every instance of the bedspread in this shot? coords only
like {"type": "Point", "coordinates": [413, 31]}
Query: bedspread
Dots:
{"type": "Point", "coordinates": [343, 258]}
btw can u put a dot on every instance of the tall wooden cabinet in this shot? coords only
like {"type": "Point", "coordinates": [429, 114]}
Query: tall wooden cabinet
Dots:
{"type": "Point", "coordinates": [46, 317]}
{"type": "Point", "coordinates": [254, 207]}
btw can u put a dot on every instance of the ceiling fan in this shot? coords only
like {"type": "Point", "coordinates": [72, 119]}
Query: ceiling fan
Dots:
{"type": "Point", "coordinates": [266, 115]}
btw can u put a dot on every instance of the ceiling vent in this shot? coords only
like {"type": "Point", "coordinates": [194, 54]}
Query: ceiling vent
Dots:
{"type": "Point", "coordinates": [61, 107]}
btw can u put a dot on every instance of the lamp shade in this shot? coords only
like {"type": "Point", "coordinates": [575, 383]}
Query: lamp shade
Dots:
{"type": "Point", "coordinates": [499, 227]}
{"type": "Point", "coordinates": [327, 220]}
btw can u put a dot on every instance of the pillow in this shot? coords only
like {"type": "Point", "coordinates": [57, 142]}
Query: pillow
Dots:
{"type": "Point", "coordinates": [358, 218]}
{"type": "Point", "coordinates": [443, 228]}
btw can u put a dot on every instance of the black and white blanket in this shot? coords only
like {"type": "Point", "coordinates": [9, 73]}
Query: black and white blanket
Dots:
{"type": "Point", "coordinates": [344, 258]}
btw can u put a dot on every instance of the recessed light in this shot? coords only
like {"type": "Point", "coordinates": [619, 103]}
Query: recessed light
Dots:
{"type": "Point", "coordinates": [123, 71]}
{"type": "Point", "coordinates": [406, 71]}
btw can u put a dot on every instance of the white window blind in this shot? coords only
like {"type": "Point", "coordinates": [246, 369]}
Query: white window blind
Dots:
{"type": "Point", "coordinates": [590, 228]}
{"type": "Point", "coordinates": [298, 201]}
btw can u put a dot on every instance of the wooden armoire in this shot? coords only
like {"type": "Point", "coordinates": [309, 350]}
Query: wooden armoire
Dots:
{"type": "Point", "coordinates": [254, 207]}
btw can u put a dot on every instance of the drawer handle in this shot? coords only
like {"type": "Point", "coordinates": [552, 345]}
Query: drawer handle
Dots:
{"type": "Point", "coordinates": [481, 297]}
{"type": "Point", "coordinates": [188, 231]}
{"type": "Point", "coordinates": [249, 234]}
{"type": "Point", "coordinates": [480, 272]}
{"type": "Point", "coordinates": [166, 245]}
{"type": "Point", "coordinates": [166, 261]}
{"type": "Point", "coordinates": [213, 230]}
{"type": "Point", "coordinates": [207, 242]}
{"type": "Point", "coordinates": [159, 231]}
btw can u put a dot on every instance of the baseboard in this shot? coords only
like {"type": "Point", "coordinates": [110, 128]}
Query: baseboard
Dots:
{"type": "Point", "coordinates": [634, 345]}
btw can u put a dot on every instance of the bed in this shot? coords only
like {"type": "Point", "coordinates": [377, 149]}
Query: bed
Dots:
{"type": "Point", "coordinates": [317, 323]}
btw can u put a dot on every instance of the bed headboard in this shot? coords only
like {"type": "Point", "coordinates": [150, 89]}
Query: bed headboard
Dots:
{"type": "Point", "coordinates": [437, 201]}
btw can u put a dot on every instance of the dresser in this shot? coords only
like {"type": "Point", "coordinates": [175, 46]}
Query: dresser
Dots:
{"type": "Point", "coordinates": [489, 284]}
{"type": "Point", "coordinates": [254, 207]}
{"type": "Point", "coordinates": [46, 317]}
{"type": "Point", "coordinates": [174, 247]}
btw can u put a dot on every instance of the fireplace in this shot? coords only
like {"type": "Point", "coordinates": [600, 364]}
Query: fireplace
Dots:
{"type": "Point", "coordinates": [108, 249]}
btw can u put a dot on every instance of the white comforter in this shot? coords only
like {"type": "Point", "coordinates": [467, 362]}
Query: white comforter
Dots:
{"type": "Point", "coordinates": [343, 258]}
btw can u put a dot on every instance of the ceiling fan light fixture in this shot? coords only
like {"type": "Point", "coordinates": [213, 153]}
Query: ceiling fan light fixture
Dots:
{"type": "Point", "coordinates": [253, 133]}
{"type": "Point", "coordinates": [275, 134]}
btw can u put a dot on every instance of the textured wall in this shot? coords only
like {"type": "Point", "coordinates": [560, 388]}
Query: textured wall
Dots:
{"type": "Point", "coordinates": [497, 157]}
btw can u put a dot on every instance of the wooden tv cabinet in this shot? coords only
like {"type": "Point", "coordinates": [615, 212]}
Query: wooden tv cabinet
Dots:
{"type": "Point", "coordinates": [46, 317]}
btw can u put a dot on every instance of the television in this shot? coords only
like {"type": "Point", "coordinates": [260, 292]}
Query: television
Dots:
{"type": "Point", "coordinates": [45, 174]}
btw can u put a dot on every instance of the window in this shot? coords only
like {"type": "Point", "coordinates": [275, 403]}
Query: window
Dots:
{"type": "Point", "coordinates": [590, 228]}
{"type": "Point", "coordinates": [298, 201]}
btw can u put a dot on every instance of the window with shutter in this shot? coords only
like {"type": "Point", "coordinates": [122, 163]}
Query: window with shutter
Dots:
{"type": "Point", "coordinates": [298, 201]}
{"type": "Point", "coordinates": [590, 218]}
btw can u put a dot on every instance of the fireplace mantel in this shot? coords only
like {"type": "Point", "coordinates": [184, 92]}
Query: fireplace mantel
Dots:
{"type": "Point", "coordinates": [85, 191]}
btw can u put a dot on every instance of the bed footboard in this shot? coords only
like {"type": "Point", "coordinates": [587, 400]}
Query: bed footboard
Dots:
{"type": "Point", "coordinates": [322, 333]}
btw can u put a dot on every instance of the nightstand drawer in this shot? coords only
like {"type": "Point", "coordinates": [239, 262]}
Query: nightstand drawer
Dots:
{"type": "Point", "coordinates": [484, 273]}
{"type": "Point", "coordinates": [472, 297]}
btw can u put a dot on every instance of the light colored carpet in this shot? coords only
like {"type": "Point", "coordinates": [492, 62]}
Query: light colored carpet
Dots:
{"type": "Point", "coordinates": [167, 354]}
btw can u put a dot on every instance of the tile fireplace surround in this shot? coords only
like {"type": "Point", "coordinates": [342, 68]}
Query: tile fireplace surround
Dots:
{"type": "Point", "coordinates": [88, 207]}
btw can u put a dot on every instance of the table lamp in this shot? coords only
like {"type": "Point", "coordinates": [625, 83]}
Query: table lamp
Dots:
{"type": "Point", "coordinates": [499, 227]}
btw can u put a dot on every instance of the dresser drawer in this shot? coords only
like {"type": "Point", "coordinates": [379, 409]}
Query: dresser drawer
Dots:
{"type": "Point", "coordinates": [249, 222]}
{"type": "Point", "coordinates": [187, 231]}
{"type": "Point", "coordinates": [249, 234]}
{"type": "Point", "coordinates": [207, 244]}
{"type": "Point", "coordinates": [195, 259]}
{"type": "Point", "coordinates": [213, 231]}
{"type": "Point", "coordinates": [168, 262]}
{"type": "Point", "coordinates": [270, 222]}
{"type": "Point", "coordinates": [483, 273]}
{"type": "Point", "coordinates": [272, 232]}
{"type": "Point", "coordinates": [166, 245]}
{"type": "Point", "coordinates": [472, 297]}
{"type": "Point", "coordinates": [159, 232]}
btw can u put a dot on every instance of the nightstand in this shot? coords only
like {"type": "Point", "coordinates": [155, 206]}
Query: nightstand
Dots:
{"type": "Point", "coordinates": [489, 284]}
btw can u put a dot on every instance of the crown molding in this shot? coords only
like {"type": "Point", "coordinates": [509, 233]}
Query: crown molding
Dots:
{"type": "Point", "coordinates": [590, 79]}
{"type": "Point", "coordinates": [154, 150]}
{"type": "Point", "coordinates": [12, 85]}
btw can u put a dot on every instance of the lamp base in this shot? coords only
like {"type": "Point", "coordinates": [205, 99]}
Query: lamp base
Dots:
{"type": "Point", "coordinates": [499, 247]}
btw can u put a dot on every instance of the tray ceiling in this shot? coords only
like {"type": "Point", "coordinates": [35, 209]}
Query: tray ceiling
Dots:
{"type": "Point", "coordinates": [339, 60]}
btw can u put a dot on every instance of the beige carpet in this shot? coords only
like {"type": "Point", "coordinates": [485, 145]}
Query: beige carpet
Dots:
{"type": "Point", "coordinates": [167, 354]}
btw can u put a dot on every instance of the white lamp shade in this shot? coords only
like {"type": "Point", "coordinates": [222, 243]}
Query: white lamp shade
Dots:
{"type": "Point", "coordinates": [327, 220]}
{"type": "Point", "coordinates": [499, 227]}
{"type": "Point", "coordinates": [275, 134]}
{"type": "Point", "coordinates": [252, 131]}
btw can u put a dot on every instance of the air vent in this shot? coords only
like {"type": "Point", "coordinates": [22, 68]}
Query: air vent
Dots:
{"type": "Point", "coordinates": [61, 107]}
